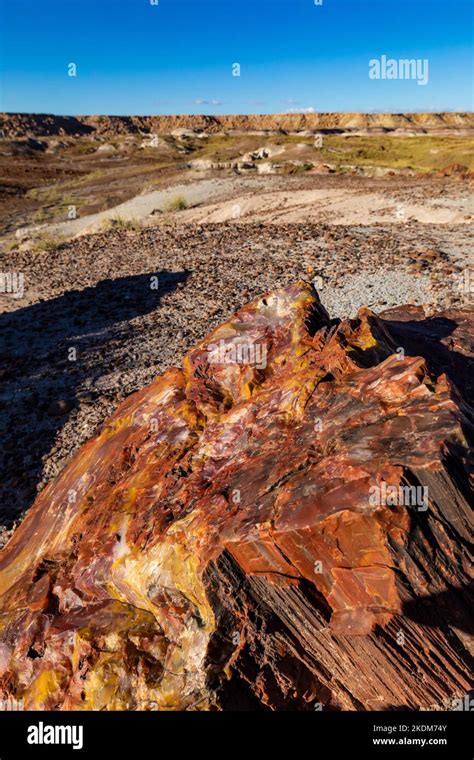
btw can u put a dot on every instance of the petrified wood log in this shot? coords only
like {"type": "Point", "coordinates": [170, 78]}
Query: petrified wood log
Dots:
{"type": "Point", "coordinates": [284, 523]}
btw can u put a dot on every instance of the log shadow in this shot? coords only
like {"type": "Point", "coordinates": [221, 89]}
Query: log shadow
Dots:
{"type": "Point", "coordinates": [448, 609]}
{"type": "Point", "coordinates": [52, 353]}
{"type": "Point", "coordinates": [434, 339]}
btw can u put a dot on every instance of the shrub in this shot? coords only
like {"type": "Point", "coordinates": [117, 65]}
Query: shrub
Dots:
{"type": "Point", "coordinates": [178, 203]}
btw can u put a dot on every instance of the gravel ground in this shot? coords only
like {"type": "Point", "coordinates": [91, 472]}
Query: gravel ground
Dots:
{"type": "Point", "coordinates": [91, 328]}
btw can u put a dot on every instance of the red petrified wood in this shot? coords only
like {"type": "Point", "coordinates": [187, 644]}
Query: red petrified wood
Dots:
{"type": "Point", "coordinates": [284, 523]}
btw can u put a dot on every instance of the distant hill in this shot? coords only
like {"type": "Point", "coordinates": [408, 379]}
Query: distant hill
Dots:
{"type": "Point", "coordinates": [36, 125]}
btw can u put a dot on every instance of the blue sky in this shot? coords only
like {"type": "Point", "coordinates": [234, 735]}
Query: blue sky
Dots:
{"type": "Point", "coordinates": [133, 57]}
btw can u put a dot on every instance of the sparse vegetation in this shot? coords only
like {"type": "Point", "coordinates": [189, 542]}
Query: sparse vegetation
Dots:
{"type": "Point", "coordinates": [10, 244]}
{"type": "Point", "coordinates": [291, 168]}
{"type": "Point", "coordinates": [118, 223]}
{"type": "Point", "coordinates": [44, 243]}
{"type": "Point", "coordinates": [47, 185]}
{"type": "Point", "coordinates": [47, 196]}
{"type": "Point", "coordinates": [53, 202]}
{"type": "Point", "coordinates": [42, 215]}
{"type": "Point", "coordinates": [85, 146]}
{"type": "Point", "coordinates": [423, 153]}
{"type": "Point", "coordinates": [177, 203]}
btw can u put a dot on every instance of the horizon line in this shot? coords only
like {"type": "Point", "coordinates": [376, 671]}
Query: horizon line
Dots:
{"type": "Point", "coordinates": [253, 115]}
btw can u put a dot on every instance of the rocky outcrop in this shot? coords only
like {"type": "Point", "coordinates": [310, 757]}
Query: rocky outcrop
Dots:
{"type": "Point", "coordinates": [18, 125]}
{"type": "Point", "coordinates": [283, 523]}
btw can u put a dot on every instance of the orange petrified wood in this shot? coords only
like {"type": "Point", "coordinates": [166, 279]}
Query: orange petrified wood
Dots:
{"type": "Point", "coordinates": [216, 545]}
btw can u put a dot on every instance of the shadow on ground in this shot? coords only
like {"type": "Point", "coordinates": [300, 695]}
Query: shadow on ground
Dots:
{"type": "Point", "coordinates": [52, 354]}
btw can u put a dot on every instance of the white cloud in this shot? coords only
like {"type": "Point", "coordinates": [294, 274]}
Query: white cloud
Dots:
{"type": "Point", "coordinates": [309, 109]}
{"type": "Point", "coordinates": [204, 102]}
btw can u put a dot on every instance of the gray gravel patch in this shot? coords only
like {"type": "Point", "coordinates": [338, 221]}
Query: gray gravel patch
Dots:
{"type": "Point", "coordinates": [377, 291]}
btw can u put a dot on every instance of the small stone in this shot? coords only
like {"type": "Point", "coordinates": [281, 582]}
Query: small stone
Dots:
{"type": "Point", "coordinates": [59, 407]}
